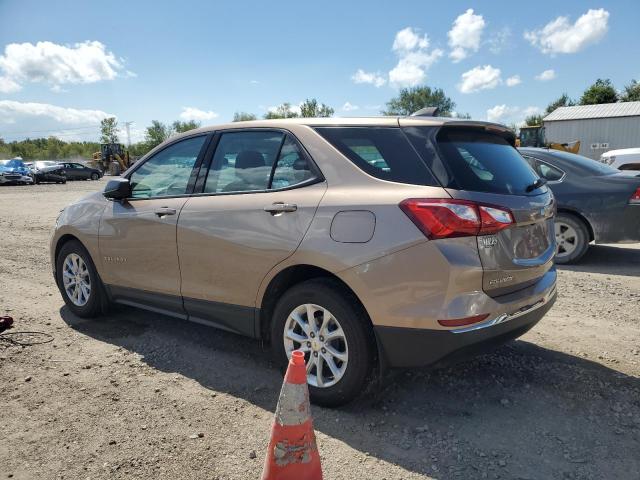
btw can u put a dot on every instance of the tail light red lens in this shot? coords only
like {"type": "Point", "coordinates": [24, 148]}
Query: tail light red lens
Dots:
{"type": "Point", "coordinates": [461, 322]}
{"type": "Point", "coordinates": [449, 218]}
{"type": "Point", "coordinates": [635, 198]}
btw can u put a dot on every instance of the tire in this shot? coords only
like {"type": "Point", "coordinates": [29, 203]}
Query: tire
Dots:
{"type": "Point", "coordinates": [95, 176]}
{"type": "Point", "coordinates": [572, 237]}
{"type": "Point", "coordinates": [96, 298]}
{"type": "Point", "coordinates": [358, 343]}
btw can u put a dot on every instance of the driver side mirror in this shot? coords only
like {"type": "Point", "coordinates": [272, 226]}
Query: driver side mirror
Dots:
{"type": "Point", "coordinates": [117, 189]}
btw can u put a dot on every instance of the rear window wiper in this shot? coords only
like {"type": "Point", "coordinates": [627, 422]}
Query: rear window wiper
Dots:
{"type": "Point", "coordinates": [537, 184]}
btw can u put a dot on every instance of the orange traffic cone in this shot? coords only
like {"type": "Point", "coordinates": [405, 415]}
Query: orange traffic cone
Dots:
{"type": "Point", "coordinates": [293, 453]}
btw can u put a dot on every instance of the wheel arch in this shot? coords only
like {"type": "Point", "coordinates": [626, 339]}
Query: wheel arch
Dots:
{"type": "Point", "coordinates": [580, 217]}
{"type": "Point", "coordinates": [287, 278]}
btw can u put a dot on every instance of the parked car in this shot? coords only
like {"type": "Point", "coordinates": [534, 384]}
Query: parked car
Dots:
{"type": "Point", "coordinates": [52, 173]}
{"type": "Point", "coordinates": [623, 159]}
{"type": "Point", "coordinates": [596, 202]}
{"type": "Point", "coordinates": [77, 171]}
{"type": "Point", "coordinates": [292, 232]}
{"type": "Point", "coordinates": [15, 172]}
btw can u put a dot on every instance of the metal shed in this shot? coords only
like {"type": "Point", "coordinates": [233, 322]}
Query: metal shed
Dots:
{"type": "Point", "coordinates": [599, 128]}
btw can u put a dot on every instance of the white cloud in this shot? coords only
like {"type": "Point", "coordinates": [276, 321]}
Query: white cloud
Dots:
{"type": "Point", "coordinates": [8, 86]}
{"type": "Point", "coordinates": [465, 35]}
{"type": "Point", "coordinates": [510, 114]}
{"type": "Point", "coordinates": [546, 75]}
{"type": "Point", "coordinates": [53, 64]}
{"type": "Point", "coordinates": [348, 107]}
{"type": "Point", "coordinates": [480, 78]}
{"type": "Point", "coordinates": [407, 39]}
{"type": "Point", "coordinates": [31, 119]}
{"type": "Point", "coordinates": [10, 109]}
{"type": "Point", "coordinates": [368, 77]}
{"type": "Point", "coordinates": [513, 81]}
{"type": "Point", "coordinates": [191, 113]}
{"type": "Point", "coordinates": [561, 36]}
{"type": "Point", "coordinates": [500, 40]}
{"type": "Point", "coordinates": [415, 58]}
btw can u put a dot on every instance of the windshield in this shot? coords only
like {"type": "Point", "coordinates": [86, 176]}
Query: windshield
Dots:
{"type": "Point", "coordinates": [13, 163]}
{"type": "Point", "coordinates": [593, 167]}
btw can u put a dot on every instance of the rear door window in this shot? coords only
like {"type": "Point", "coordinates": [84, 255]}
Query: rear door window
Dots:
{"type": "Point", "coordinates": [382, 152]}
{"type": "Point", "coordinates": [545, 170]}
{"type": "Point", "coordinates": [243, 161]}
{"type": "Point", "coordinates": [475, 160]}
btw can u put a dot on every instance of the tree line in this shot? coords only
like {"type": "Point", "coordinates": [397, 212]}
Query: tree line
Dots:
{"type": "Point", "coordinates": [407, 101]}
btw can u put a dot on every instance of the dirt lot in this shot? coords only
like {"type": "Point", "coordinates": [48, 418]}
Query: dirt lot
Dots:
{"type": "Point", "coordinates": [121, 397]}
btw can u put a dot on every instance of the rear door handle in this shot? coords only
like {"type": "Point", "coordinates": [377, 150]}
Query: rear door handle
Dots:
{"type": "Point", "coordinates": [164, 211]}
{"type": "Point", "coordinates": [280, 207]}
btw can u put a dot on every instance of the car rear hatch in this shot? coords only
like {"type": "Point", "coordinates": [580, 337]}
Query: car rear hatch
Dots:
{"type": "Point", "coordinates": [479, 167]}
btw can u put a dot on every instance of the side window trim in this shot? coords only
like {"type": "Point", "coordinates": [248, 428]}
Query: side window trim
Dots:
{"type": "Point", "coordinates": [275, 161]}
{"type": "Point", "coordinates": [215, 141]}
{"type": "Point", "coordinates": [194, 171]}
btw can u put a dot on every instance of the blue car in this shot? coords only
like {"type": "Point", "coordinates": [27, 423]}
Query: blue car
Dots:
{"type": "Point", "coordinates": [15, 172]}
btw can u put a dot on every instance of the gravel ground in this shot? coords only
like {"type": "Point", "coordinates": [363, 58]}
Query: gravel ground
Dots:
{"type": "Point", "coordinates": [123, 396]}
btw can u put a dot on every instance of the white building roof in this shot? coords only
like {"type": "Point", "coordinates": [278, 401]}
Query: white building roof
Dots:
{"type": "Point", "coordinates": [602, 110]}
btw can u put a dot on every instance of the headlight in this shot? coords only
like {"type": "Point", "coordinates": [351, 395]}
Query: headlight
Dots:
{"type": "Point", "coordinates": [611, 159]}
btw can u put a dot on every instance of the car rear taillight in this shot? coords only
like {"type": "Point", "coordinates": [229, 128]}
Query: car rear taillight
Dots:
{"type": "Point", "coordinates": [448, 218]}
{"type": "Point", "coordinates": [635, 198]}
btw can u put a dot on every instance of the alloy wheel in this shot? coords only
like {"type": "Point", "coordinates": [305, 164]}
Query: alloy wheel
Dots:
{"type": "Point", "coordinates": [314, 330]}
{"type": "Point", "coordinates": [76, 279]}
{"type": "Point", "coordinates": [566, 239]}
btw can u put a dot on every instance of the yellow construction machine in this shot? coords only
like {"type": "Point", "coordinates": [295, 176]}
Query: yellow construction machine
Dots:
{"type": "Point", "coordinates": [534, 136]}
{"type": "Point", "coordinates": [112, 158]}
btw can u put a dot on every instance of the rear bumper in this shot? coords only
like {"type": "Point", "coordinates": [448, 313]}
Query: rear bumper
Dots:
{"type": "Point", "coordinates": [413, 347]}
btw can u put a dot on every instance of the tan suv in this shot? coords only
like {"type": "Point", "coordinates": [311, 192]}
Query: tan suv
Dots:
{"type": "Point", "coordinates": [366, 243]}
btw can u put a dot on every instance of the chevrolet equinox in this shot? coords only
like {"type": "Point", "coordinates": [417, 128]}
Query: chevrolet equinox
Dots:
{"type": "Point", "coordinates": [364, 242]}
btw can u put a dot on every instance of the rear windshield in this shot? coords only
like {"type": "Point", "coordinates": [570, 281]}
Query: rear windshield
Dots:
{"type": "Point", "coordinates": [475, 160]}
{"type": "Point", "coordinates": [382, 152]}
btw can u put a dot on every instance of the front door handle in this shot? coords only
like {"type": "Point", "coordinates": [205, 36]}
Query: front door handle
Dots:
{"type": "Point", "coordinates": [280, 207]}
{"type": "Point", "coordinates": [164, 211]}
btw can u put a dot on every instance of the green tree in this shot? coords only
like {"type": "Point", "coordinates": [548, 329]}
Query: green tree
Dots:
{"type": "Point", "coordinates": [602, 91]}
{"type": "Point", "coordinates": [156, 133]}
{"type": "Point", "coordinates": [311, 108]}
{"type": "Point", "coordinates": [533, 120]}
{"type": "Point", "coordinates": [181, 127]}
{"type": "Point", "coordinates": [281, 111]}
{"type": "Point", "coordinates": [243, 117]}
{"type": "Point", "coordinates": [410, 100]}
{"type": "Point", "coordinates": [562, 101]}
{"type": "Point", "coordinates": [631, 92]}
{"type": "Point", "coordinates": [109, 130]}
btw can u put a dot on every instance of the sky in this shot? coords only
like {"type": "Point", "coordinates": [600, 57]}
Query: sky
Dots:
{"type": "Point", "coordinates": [65, 65]}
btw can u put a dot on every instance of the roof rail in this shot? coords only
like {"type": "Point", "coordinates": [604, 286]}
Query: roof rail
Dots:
{"type": "Point", "coordinates": [426, 112]}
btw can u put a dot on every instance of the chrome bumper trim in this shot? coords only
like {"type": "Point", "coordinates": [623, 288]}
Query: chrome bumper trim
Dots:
{"type": "Point", "coordinates": [506, 317]}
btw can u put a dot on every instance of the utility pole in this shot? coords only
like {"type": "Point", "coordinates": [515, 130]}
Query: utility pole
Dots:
{"type": "Point", "coordinates": [127, 125]}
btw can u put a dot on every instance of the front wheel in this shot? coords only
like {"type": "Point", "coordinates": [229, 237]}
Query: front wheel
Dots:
{"type": "Point", "coordinates": [95, 176]}
{"type": "Point", "coordinates": [572, 238]}
{"type": "Point", "coordinates": [332, 329]}
{"type": "Point", "coordinates": [78, 280]}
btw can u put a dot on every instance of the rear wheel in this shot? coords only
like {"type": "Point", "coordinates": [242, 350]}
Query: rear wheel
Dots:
{"type": "Point", "coordinates": [78, 280]}
{"type": "Point", "coordinates": [572, 238]}
{"type": "Point", "coordinates": [330, 326]}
